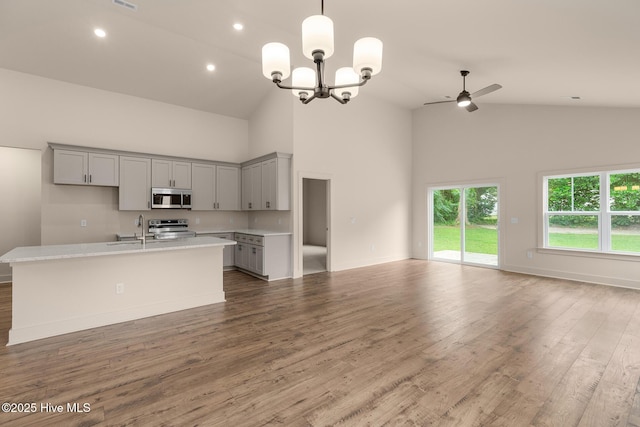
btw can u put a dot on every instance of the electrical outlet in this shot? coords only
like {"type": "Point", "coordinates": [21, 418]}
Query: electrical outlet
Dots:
{"type": "Point", "coordinates": [197, 221]}
{"type": "Point", "coordinates": [83, 223]}
{"type": "Point", "coordinates": [530, 254]}
{"type": "Point", "coordinates": [119, 288]}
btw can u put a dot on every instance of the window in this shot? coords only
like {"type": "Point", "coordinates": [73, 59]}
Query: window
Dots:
{"type": "Point", "coordinates": [597, 212]}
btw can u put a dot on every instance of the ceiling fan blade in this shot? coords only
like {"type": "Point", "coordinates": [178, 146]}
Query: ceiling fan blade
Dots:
{"type": "Point", "coordinates": [486, 90]}
{"type": "Point", "coordinates": [439, 102]}
{"type": "Point", "coordinates": [471, 107]}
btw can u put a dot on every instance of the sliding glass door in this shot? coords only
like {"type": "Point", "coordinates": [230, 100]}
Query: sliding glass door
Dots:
{"type": "Point", "coordinates": [464, 224]}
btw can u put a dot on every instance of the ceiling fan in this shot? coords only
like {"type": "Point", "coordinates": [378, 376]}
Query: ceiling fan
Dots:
{"type": "Point", "coordinates": [464, 98]}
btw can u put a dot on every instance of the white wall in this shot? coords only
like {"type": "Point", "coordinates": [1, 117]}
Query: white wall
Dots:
{"type": "Point", "coordinates": [514, 144]}
{"type": "Point", "coordinates": [271, 124]}
{"type": "Point", "coordinates": [364, 148]}
{"type": "Point", "coordinates": [36, 110]}
{"type": "Point", "coordinates": [20, 187]}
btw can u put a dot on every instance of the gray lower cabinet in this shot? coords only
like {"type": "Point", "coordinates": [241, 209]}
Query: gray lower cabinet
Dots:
{"type": "Point", "coordinates": [268, 257]}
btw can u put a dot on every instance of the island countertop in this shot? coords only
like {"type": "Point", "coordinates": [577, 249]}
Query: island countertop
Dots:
{"type": "Point", "coordinates": [80, 250]}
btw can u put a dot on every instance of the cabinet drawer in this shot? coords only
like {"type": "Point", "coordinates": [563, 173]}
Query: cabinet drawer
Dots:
{"type": "Point", "coordinates": [254, 240]}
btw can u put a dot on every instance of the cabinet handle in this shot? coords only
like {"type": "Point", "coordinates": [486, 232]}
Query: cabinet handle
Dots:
{"type": "Point", "coordinates": [249, 205]}
{"type": "Point", "coordinates": [89, 177]}
{"type": "Point", "coordinates": [85, 177]}
{"type": "Point", "coordinates": [148, 204]}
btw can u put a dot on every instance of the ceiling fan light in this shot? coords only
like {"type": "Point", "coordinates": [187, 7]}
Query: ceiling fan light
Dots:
{"type": "Point", "coordinates": [345, 76]}
{"type": "Point", "coordinates": [367, 54]}
{"type": "Point", "coordinates": [317, 35]}
{"type": "Point", "coordinates": [275, 59]}
{"type": "Point", "coordinates": [303, 77]}
{"type": "Point", "coordinates": [463, 100]}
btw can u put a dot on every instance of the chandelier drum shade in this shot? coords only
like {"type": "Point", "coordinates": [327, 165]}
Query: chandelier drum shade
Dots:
{"type": "Point", "coordinates": [317, 44]}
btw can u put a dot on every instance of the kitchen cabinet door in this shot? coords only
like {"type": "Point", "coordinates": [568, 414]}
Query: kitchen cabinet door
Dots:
{"type": "Point", "coordinates": [256, 259]}
{"type": "Point", "coordinates": [182, 175]}
{"type": "Point", "coordinates": [252, 187]}
{"type": "Point", "coordinates": [269, 184]}
{"type": "Point", "coordinates": [171, 174]}
{"type": "Point", "coordinates": [227, 188]}
{"type": "Point", "coordinates": [161, 173]}
{"type": "Point", "coordinates": [203, 187]}
{"type": "Point", "coordinates": [104, 169]}
{"type": "Point", "coordinates": [135, 184]}
{"type": "Point", "coordinates": [242, 255]}
{"type": "Point", "coordinates": [70, 167]}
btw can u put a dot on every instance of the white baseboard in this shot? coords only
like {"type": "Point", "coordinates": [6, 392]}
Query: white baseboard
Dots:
{"type": "Point", "coordinates": [580, 277]}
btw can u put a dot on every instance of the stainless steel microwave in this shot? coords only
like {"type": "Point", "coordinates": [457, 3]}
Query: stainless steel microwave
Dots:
{"type": "Point", "coordinates": [170, 198]}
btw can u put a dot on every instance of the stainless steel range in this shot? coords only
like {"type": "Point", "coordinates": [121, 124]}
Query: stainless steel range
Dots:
{"type": "Point", "coordinates": [170, 228]}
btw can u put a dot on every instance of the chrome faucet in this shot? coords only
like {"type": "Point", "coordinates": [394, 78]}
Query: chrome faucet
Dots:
{"type": "Point", "coordinates": [141, 225]}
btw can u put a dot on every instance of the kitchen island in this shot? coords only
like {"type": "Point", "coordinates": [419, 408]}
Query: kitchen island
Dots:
{"type": "Point", "coordinates": [59, 289]}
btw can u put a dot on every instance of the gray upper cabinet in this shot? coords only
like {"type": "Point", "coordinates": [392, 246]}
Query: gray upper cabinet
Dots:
{"type": "Point", "coordinates": [228, 188]}
{"type": "Point", "coordinates": [85, 168]}
{"type": "Point", "coordinates": [215, 187]}
{"type": "Point", "coordinates": [266, 183]}
{"type": "Point", "coordinates": [170, 173]}
{"type": "Point", "coordinates": [276, 183]}
{"type": "Point", "coordinates": [252, 187]}
{"type": "Point", "coordinates": [135, 183]}
{"type": "Point", "coordinates": [263, 183]}
{"type": "Point", "coordinates": [203, 187]}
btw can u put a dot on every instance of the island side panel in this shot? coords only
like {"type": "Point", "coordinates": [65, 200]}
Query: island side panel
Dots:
{"type": "Point", "coordinates": [67, 295]}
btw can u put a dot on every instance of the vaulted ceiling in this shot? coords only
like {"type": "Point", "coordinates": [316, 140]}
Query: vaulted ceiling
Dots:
{"type": "Point", "coordinates": [541, 52]}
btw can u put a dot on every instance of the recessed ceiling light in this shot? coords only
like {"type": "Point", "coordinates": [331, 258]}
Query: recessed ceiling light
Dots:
{"type": "Point", "coordinates": [100, 32]}
{"type": "Point", "coordinates": [238, 26]}
{"type": "Point", "coordinates": [211, 67]}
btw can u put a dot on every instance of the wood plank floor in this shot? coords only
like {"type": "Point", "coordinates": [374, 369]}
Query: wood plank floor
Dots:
{"type": "Point", "coordinates": [406, 343]}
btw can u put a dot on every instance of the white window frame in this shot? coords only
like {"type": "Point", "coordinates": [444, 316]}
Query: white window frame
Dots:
{"type": "Point", "coordinates": [604, 213]}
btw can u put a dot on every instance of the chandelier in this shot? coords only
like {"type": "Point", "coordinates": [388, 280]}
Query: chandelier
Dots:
{"type": "Point", "coordinates": [317, 44]}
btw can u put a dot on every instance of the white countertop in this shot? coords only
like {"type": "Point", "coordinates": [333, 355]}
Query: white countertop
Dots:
{"type": "Point", "coordinates": [262, 233]}
{"type": "Point", "coordinates": [80, 250]}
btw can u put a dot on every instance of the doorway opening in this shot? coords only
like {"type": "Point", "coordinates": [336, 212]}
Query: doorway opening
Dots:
{"type": "Point", "coordinates": [464, 224]}
{"type": "Point", "coordinates": [315, 240]}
